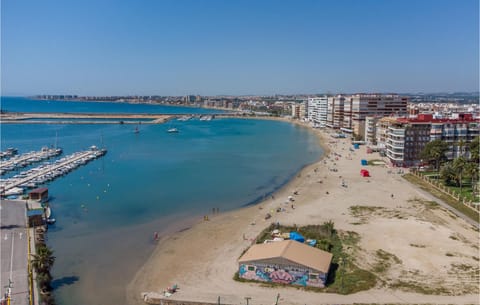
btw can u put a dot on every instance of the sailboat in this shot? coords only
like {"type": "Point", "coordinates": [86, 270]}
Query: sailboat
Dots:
{"type": "Point", "coordinates": [172, 129]}
{"type": "Point", "coordinates": [136, 130]}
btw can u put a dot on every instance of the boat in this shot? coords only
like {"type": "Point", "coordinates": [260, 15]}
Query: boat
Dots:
{"type": "Point", "coordinates": [136, 130]}
{"type": "Point", "coordinates": [51, 221]}
{"type": "Point", "coordinates": [14, 191]}
{"type": "Point", "coordinates": [172, 130]}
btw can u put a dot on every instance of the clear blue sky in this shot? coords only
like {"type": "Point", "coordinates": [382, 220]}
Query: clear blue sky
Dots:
{"type": "Point", "coordinates": [99, 47]}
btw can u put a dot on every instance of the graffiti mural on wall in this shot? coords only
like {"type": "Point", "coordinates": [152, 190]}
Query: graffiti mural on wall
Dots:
{"type": "Point", "coordinates": [281, 275]}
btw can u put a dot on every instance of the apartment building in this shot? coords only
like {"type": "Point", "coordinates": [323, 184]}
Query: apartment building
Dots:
{"type": "Point", "coordinates": [349, 112]}
{"type": "Point", "coordinates": [381, 105]}
{"type": "Point", "coordinates": [405, 138]}
{"type": "Point", "coordinates": [317, 110]}
{"type": "Point", "coordinates": [298, 110]}
{"type": "Point", "coordinates": [335, 111]}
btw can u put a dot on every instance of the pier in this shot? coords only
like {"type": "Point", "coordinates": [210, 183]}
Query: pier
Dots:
{"type": "Point", "coordinates": [101, 118]}
{"type": "Point", "coordinates": [28, 158]}
{"type": "Point", "coordinates": [48, 172]}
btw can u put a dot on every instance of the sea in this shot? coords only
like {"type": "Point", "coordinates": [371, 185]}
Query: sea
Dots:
{"type": "Point", "coordinates": [152, 181]}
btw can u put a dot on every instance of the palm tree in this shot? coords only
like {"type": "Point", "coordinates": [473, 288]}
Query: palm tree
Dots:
{"type": "Point", "coordinates": [461, 145]}
{"type": "Point", "coordinates": [435, 151]}
{"type": "Point", "coordinates": [43, 260]}
{"type": "Point", "coordinates": [448, 173]}
{"type": "Point", "coordinates": [472, 171]}
{"type": "Point", "coordinates": [474, 148]}
{"type": "Point", "coordinates": [459, 165]}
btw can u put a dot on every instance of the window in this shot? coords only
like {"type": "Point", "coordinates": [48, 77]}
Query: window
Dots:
{"type": "Point", "coordinates": [313, 276]}
{"type": "Point", "coordinates": [251, 268]}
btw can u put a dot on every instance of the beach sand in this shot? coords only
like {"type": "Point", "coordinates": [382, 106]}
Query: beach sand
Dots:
{"type": "Point", "coordinates": [436, 248]}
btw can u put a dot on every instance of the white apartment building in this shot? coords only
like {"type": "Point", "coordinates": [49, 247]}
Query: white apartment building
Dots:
{"type": "Point", "coordinates": [317, 110]}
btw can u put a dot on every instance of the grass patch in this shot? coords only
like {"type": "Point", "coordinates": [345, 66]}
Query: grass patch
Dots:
{"type": "Point", "coordinates": [411, 286]}
{"type": "Point", "coordinates": [417, 246]}
{"type": "Point", "coordinates": [385, 261]}
{"type": "Point", "coordinates": [453, 237]}
{"type": "Point", "coordinates": [363, 210]}
{"type": "Point", "coordinates": [344, 277]}
{"type": "Point", "coordinates": [446, 198]}
{"type": "Point", "coordinates": [449, 254]}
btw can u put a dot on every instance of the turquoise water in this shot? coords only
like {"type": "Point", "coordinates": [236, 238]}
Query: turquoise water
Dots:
{"type": "Point", "coordinates": [108, 210]}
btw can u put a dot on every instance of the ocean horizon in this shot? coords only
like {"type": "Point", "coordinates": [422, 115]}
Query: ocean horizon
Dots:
{"type": "Point", "coordinates": [151, 181]}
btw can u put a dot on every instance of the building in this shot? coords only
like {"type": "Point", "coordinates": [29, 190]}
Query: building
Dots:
{"type": "Point", "coordinates": [371, 130]}
{"type": "Point", "coordinates": [298, 110]}
{"type": "Point", "coordinates": [35, 217]}
{"type": "Point", "coordinates": [317, 110]}
{"type": "Point", "coordinates": [349, 112]}
{"type": "Point", "coordinates": [40, 194]}
{"type": "Point", "coordinates": [335, 111]}
{"type": "Point", "coordinates": [405, 138]}
{"type": "Point", "coordinates": [286, 262]}
{"type": "Point", "coordinates": [360, 106]}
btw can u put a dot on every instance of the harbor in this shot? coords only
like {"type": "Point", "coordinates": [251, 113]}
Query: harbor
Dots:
{"type": "Point", "coordinates": [31, 178]}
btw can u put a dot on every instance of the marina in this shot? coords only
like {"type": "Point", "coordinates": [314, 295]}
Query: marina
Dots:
{"type": "Point", "coordinates": [26, 159]}
{"type": "Point", "coordinates": [47, 172]}
{"type": "Point", "coordinates": [9, 152]}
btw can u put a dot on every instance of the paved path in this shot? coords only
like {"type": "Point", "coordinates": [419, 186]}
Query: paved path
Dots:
{"type": "Point", "coordinates": [14, 251]}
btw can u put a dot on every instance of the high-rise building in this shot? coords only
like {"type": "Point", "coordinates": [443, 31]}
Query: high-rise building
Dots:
{"type": "Point", "coordinates": [381, 105]}
{"type": "Point", "coordinates": [335, 111]}
{"type": "Point", "coordinates": [298, 110]}
{"type": "Point", "coordinates": [317, 110]}
{"type": "Point", "coordinates": [348, 112]}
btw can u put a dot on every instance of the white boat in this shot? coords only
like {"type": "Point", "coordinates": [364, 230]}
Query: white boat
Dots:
{"type": "Point", "coordinates": [51, 221]}
{"type": "Point", "coordinates": [14, 191]}
{"type": "Point", "coordinates": [172, 130]}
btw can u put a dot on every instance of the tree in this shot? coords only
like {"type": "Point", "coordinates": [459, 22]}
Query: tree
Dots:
{"type": "Point", "coordinates": [461, 147]}
{"type": "Point", "coordinates": [459, 166]}
{"type": "Point", "coordinates": [474, 147]}
{"type": "Point", "coordinates": [472, 171]}
{"type": "Point", "coordinates": [43, 260]}
{"type": "Point", "coordinates": [448, 173]}
{"type": "Point", "coordinates": [435, 151]}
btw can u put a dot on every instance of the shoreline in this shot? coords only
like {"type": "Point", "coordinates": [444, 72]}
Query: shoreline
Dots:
{"type": "Point", "coordinates": [294, 182]}
{"type": "Point", "coordinates": [203, 259]}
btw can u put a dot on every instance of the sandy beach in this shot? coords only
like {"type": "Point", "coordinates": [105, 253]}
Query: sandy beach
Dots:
{"type": "Point", "coordinates": [436, 249]}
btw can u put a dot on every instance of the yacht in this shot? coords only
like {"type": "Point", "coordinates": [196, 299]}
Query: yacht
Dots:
{"type": "Point", "coordinates": [172, 130]}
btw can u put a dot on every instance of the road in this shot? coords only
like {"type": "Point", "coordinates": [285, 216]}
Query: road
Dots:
{"type": "Point", "coordinates": [14, 251]}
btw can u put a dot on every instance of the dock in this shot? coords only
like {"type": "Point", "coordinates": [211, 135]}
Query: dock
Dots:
{"type": "Point", "coordinates": [50, 171]}
{"type": "Point", "coordinates": [28, 158]}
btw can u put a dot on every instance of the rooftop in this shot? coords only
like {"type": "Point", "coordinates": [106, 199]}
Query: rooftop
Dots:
{"type": "Point", "coordinates": [291, 250]}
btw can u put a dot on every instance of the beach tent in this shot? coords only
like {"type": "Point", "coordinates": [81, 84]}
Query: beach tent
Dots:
{"type": "Point", "coordinates": [364, 162]}
{"type": "Point", "coordinates": [297, 237]}
{"type": "Point", "coordinates": [364, 173]}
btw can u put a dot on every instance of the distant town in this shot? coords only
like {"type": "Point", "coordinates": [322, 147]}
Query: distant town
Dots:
{"type": "Point", "coordinates": [397, 125]}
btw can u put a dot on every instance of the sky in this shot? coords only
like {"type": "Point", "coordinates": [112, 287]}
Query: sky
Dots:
{"type": "Point", "coordinates": [233, 47]}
